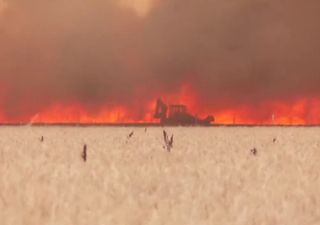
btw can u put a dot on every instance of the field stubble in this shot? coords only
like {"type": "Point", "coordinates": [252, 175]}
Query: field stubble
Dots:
{"type": "Point", "coordinates": [209, 177]}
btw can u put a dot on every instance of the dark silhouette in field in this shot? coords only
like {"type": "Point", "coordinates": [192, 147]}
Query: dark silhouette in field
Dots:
{"type": "Point", "coordinates": [84, 153]}
{"type": "Point", "coordinates": [168, 142]}
{"type": "Point", "coordinates": [130, 135]}
{"type": "Point", "coordinates": [254, 151]}
{"type": "Point", "coordinates": [178, 115]}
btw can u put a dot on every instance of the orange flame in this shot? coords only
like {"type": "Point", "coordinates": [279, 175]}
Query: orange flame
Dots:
{"type": "Point", "coordinates": [76, 113]}
{"type": "Point", "coordinates": [302, 111]}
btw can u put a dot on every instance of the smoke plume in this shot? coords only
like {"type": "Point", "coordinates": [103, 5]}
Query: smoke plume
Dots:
{"type": "Point", "coordinates": [100, 53]}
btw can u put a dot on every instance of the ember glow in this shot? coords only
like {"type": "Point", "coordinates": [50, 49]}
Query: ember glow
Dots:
{"type": "Point", "coordinates": [273, 113]}
{"type": "Point", "coordinates": [294, 112]}
{"type": "Point", "coordinates": [244, 61]}
{"type": "Point", "coordinates": [79, 115]}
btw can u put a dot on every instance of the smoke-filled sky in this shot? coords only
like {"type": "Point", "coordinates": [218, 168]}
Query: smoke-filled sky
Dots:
{"type": "Point", "coordinates": [102, 52]}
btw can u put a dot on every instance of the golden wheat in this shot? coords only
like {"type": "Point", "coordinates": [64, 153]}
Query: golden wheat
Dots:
{"type": "Point", "coordinates": [210, 176]}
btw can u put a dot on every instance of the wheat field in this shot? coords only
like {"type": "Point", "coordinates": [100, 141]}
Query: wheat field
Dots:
{"type": "Point", "coordinates": [211, 176]}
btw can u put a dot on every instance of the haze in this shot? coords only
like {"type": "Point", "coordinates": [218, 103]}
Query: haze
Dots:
{"type": "Point", "coordinates": [97, 53]}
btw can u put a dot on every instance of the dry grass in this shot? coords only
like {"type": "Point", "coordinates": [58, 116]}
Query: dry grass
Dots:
{"type": "Point", "coordinates": [209, 177]}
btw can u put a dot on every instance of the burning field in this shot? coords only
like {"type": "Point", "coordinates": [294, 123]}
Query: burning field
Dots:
{"type": "Point", "coordinates": [244, 61]}
{"type": "Point", "coordinates": [165, 63]}
{"type": "Point", "coordinates": [215, 175]}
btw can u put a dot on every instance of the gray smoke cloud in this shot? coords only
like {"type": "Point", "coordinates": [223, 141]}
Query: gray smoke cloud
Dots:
{"type": "Point", "coordinates": [98, 53]}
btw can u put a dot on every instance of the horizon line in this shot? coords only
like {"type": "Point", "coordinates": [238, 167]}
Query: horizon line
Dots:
{"type": "Point", "coordinates": [142, 124]}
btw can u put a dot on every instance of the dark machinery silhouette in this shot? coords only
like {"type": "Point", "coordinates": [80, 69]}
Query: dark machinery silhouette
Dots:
{"type": "Point", "coordinates": [178, 115]}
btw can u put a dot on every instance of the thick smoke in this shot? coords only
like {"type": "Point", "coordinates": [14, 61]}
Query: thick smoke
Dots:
{"type": "Point", "coordinates": [100, 53]}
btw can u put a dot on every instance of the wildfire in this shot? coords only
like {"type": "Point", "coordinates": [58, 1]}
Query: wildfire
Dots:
{"type": "Point", "coordinates": [302, 111]}
{"type": "Point", "coordinates": [78, 114]}
{"type": "Point", "coordinates": [298, 112]}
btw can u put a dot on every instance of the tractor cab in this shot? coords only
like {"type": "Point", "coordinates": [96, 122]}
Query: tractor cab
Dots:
{"type": "Point", "coordinates": [178, 115]}
{"type": "Point", "coordinates": [177, 110]}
